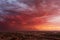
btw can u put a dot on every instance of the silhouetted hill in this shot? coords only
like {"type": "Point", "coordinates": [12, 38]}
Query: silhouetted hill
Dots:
{"type": "Point", "coordinates": [30, 35]}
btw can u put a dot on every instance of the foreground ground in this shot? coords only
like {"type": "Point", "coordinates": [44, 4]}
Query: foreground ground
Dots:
{"type": "Point", "coordinates": [30, 35]}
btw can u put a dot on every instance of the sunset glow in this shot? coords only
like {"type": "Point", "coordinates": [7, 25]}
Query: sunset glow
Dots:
{"type": "Point", "coordinates": [30, 15]}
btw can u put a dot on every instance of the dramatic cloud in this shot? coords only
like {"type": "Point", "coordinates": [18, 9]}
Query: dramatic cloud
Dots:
{"type": "Point", "coordinates": [18, 15]}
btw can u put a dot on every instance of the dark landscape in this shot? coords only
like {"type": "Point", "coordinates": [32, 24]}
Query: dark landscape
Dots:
{"type": "Point", "coordinates": [30, 35]}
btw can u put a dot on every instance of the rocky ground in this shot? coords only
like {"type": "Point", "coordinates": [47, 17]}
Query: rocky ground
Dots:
{"type": "Point", "coordinates": [30, 35]}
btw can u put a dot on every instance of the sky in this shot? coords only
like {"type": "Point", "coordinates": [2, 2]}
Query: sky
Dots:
{"type": "Point", "coordinates": [29, 15]}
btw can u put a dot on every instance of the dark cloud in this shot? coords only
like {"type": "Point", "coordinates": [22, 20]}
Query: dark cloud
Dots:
{"type": "Point", "coordinates": [16, 14]}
